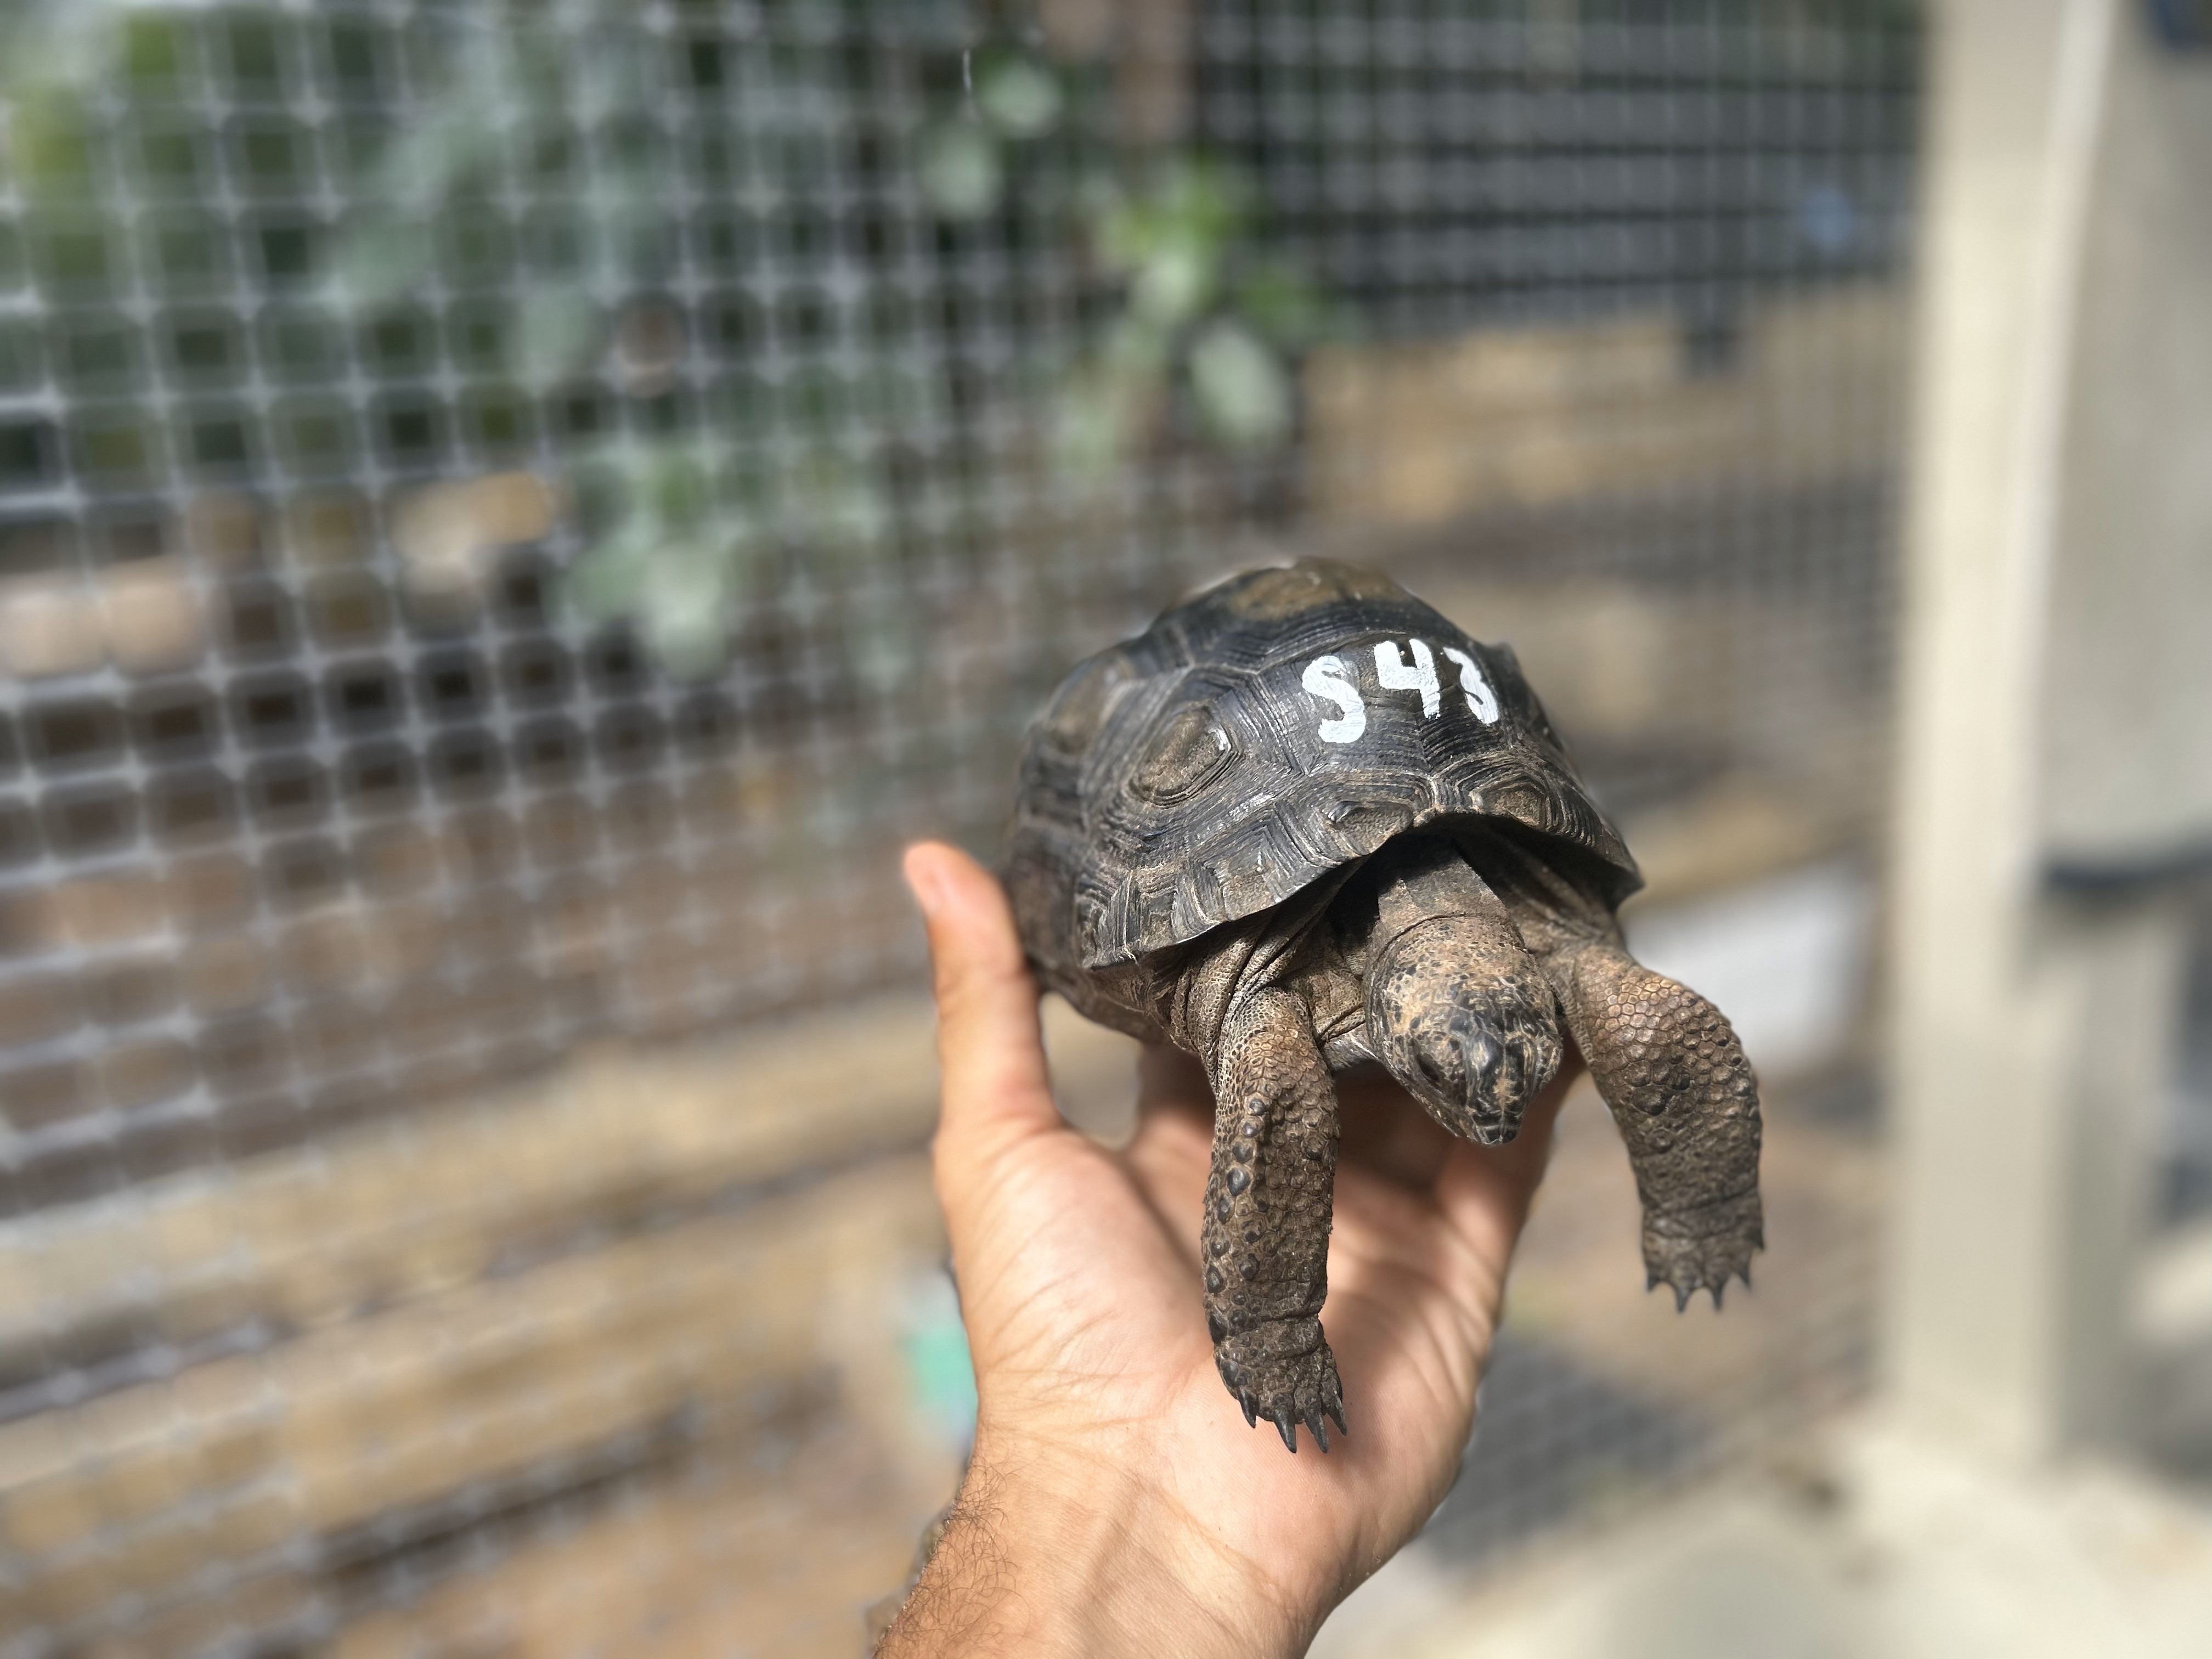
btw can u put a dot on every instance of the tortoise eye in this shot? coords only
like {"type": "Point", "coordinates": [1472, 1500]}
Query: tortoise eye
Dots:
{"type": "Point", "coordinates": [1189, 752]}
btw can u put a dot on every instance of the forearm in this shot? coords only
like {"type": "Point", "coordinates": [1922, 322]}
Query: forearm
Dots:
{"type": "Point", "coordinates": [1044, 1558]}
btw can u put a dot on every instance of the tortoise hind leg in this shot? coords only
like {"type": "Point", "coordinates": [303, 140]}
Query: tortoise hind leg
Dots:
{"type": "Point", "coordinates": [1675, 1078]}
{"type": "Point", "coordinates": [1268, 1202]}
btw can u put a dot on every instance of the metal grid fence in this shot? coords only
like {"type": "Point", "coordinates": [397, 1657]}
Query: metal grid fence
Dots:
{"type": "Point", "coordinates": [508, 513]}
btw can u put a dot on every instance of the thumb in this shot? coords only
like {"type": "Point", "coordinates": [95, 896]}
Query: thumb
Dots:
{"type": "Point", "coordinates": [990, 1048]}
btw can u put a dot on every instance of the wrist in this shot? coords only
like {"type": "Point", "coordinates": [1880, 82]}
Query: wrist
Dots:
{"type": "Point", "coordinates": [1049, 1553]}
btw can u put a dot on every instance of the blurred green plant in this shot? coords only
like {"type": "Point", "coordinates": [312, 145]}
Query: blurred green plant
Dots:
{"type": "Point", "coordinates": [941, 1373]}
{"type": "Point", "coordinates": [1196, 307]}
{"type": "Point", "coordinates": [1012, 97]}
{"type": "Point", "coordinates": [673, 527]}
{"type": "Point", "coordinates": [664, 552]}
{"type": "Point", "coordinates": [517, 93]}
{"type": "Point", "coordinates": [676, 526]}
{"type": "Point", "coordinates": [673, 530]}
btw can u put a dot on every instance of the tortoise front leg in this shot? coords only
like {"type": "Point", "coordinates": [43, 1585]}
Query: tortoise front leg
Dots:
{"type": "Point", "coordinates": [1265, 1243]}
{"type": "Point", "coordinates": [1675, 1078]}
{"type": "Point", "coordinates": [1687, 1104]}
{"type": "Point", "coordinates": [1667, 1064]}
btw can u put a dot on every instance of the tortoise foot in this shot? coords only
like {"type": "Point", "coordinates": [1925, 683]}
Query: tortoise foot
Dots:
{"type": "Point", "coordinates": [1703, 1249]}
{"type": "Point", "coordinates": [1285, 1373]}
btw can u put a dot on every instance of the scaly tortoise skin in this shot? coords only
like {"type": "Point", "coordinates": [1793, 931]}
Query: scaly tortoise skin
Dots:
{"type": "Point", "coordinates": [1304, 822]}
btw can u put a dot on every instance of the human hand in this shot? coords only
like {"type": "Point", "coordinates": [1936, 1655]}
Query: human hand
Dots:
{"type": "Point", "coordinates": [1116, 1501]}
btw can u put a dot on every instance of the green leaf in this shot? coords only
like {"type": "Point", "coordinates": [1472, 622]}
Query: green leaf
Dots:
{"type": "Point", "coordinates": [51, 135]}
{"type": "Point", "coordinates": [1176, 281]}
{"type": "Point", "coordinates": [675, 489]}
{"type": "Point", "coordinates": [381, 259]}
{"type": "Point", "coordinates": [1242, 392]}
{"type": "Point", "coordinates": [962, 172]}
{"type": "Point", "coordinates": [1100, 410]}
{"type": "Point", "coordinates": [1017, 95]}
{"type": "Point", "coordinates": [1201, 200]}
{"type": "Point", "coordinates": [606, 582]}
{"type": "Point", "coordinates": [1136, 347]}
{"type": "Point", "coordinates": [1088, 428]}
{"type": "Point", "coordinates": [1172, 241]}
{"type": "Point", "coordinates": [685, 609]}
{"type": "Point", "coordinates": [557, 333]}
{"type": "Point", "coordinates": [1281, 304]}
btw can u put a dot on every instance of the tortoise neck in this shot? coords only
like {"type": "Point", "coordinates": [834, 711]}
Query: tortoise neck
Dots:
{"type": "Point", "coordinates": [1554, 913]}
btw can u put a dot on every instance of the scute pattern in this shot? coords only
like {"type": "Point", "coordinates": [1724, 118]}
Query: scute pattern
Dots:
{"type": "Point", "coordinates": [1187, 754]}
{"type": "Point", "coordinates": [1139, 870]}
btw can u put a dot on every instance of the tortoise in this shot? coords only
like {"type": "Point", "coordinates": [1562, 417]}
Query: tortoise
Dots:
{"type": "Point", "coordinates": [1304, 823]}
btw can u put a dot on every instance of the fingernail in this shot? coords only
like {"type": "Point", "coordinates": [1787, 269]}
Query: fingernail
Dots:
{"type": "Point", "coordinates": [923, 882]}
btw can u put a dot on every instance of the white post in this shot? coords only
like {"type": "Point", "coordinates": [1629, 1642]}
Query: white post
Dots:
{"type": "Point", "coordinates": [2055, 720]}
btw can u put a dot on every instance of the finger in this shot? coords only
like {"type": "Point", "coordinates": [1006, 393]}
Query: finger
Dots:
{"type": "Point", "coordinates": [990, 1047]}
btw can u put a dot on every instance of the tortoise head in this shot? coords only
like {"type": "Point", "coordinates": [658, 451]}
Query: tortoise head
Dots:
{"type": "Point", "coordinates": [1465, 1023]}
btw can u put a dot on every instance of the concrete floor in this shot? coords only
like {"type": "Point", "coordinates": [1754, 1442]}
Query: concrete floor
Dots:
{"type": "Point", "coordinates": [1888, 1546]}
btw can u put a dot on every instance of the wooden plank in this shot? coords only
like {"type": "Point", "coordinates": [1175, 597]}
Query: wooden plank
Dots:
{"type": "Point", "coordinates": [1533, 417]}
{"type": "Point", "coordinates": [137, 1492]}
{"type": "Point", "coordinates": [717, 1562]}
{"type": "Point", "coordinates": [306, 1237]}
{"type": "Point", "coordinates": [412, 1372]}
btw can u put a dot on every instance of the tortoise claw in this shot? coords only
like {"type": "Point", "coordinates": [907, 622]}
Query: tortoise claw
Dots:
{"type": "Point", "coordinates": [1719, 1249]}
{"type": "Point", "coordinates": [1283, 1387]}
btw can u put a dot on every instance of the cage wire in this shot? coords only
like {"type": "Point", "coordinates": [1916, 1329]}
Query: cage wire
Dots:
{"type": "Point", "coordinates": [509, 514]}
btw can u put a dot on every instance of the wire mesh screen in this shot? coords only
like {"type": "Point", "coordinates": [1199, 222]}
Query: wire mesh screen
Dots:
{"type": "Point", "coordinates": [510, 513]}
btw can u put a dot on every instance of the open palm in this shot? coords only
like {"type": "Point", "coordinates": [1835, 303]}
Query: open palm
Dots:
{"type": "Point", "coordinates": [1078, 1275]}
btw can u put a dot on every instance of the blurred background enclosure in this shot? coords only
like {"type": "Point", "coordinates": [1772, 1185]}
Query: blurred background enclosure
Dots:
{"type": "Point", "coordinates": [510, 513]}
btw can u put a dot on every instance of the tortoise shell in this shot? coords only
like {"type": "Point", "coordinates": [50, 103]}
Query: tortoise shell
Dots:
{"type": "Point", "coordinates": [1274, 729]}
